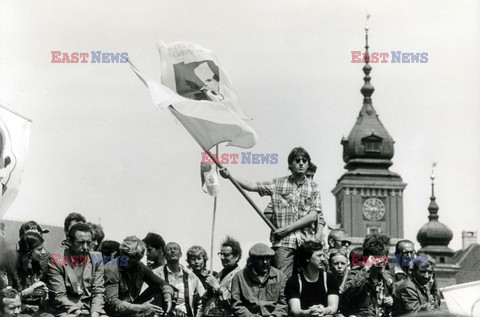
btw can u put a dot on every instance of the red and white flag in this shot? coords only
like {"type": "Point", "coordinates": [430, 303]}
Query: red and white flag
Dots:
{"type": "Point", "coordinates": [14, 139]}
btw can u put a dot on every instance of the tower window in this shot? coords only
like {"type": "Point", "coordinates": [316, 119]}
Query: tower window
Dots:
{"type": "Point", "coordinates": [374, 230]}
{"type": "Point", "coordinates": [372, 143]}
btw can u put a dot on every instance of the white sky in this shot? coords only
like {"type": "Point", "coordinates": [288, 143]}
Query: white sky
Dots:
{"type": "Point", "coordinates": [99, 147]}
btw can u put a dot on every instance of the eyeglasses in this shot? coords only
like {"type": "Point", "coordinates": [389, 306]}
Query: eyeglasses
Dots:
{"type": "Point", "coordinates": [298, 160]}
{"type": "Point", "coordinates": [345, 243]}
{"type": "Point", "coordinates": [224, 255]}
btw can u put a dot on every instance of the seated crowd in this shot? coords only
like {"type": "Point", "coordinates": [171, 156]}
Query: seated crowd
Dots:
{"type": "Point", "coordinates": [91, 276]}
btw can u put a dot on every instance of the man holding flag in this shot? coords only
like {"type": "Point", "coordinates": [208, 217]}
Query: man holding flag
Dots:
{"type": "Point", "coordinates": [296, 205]}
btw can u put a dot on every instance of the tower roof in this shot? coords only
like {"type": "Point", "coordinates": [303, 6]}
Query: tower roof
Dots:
{"type": "Point", "coordinates": [369, 145]}
{"type": "Point", "coordinates": [434, 234]}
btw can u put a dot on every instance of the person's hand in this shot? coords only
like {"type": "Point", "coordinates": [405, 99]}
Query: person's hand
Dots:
{"type": "Point", "coordinates": [368, 264]}
{"type": "Point", "coordinates": [94, 314]}
{"type": "Point", "coordinates": [168, 299]}
{"type": "Point", "coordinates": [280, 233]}
{"type": "Point", "coordinates": [316, 310]}
{"type": "Point", "coordinates": [224, 172]}
{"type": "Point", "coordinates": [82, 312]}
{"type": "Point", "coordinates": [149, 307]}
{"type": "Point", "coordinates": [212, 281]}
{"type": "Point", "coordinates": [38, 289]}
{"type": "Point", "coordinates": [388, 300]}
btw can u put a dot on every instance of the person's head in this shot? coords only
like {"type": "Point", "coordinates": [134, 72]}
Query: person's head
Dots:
{"type": "Point", "coordinates": [155, 245]}
{"type": "Point", "coordinates": [377, 245]}
{"type": "Point", "coordinates": [338, 239]}
{"type": "Point", "coordinates": [310, 253]}
{"type": "Point", "coordinates": [406, 250]}
{"type": "Point", "coordinates": [31, 226]}
{"type": "Point", "coordinates": [298, 160]}
{"type": "Point", "coordinates": [338, 262]}
{"type": "Point", "coordinates": [109, 248]}
{"type": "Point", "coordinates": [80, 238]}
{"type": "Point", "coordinates": [173, 252]}
{"type": "Point", "coordinates": [423, 271]}
{"type": "Point", "coordinates": [311, 170]}
{"type": "Point", "coordinates": [260, 257]}
{"type": "Point", "coordinates": [97, 236]}
{"type": "Point", "coordinates": [197, 258]}
{"type": "Point", "coordinates": [31, 245]}
{"type": "Point", "coordinates": [355, 253]}
{"type": "Point", "coordinates": [134, 249]}
{"type": "Point", "coordinates": [10, 303]}
{"type": "Point", "coordinates": [230, 252]}
{"type": "Point", "coordinates": [72, 219]}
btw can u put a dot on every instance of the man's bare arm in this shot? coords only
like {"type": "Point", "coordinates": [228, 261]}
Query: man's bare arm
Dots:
{"type": "Point", "coordinates": [245, 184]}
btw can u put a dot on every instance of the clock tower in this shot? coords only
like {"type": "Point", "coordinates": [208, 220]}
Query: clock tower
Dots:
{"type": "Point", "coordinates": [369, 197]}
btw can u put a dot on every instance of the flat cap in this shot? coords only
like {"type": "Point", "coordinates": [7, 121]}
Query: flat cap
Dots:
{"type": "Point", "coordinates": [261, 249]}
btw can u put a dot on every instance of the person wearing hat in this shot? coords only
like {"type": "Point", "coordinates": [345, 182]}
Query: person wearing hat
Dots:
{"type": "Point", "coordinates": [258, 289]}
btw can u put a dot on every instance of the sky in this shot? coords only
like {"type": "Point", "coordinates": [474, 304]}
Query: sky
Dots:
{"type": "Point", "coordinates": [98, 146]}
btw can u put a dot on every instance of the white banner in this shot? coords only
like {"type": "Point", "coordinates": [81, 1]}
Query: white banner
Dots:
{"type": "Point", "coordinates": [463, 299]}
{"type": "Point", "coordinates": [14, 139]}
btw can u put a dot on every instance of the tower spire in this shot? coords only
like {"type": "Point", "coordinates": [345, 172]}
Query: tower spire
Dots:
{"type": "Point", "coordinates": [433, 207]}
{"type": "Point", "coordinates": [367, 89]}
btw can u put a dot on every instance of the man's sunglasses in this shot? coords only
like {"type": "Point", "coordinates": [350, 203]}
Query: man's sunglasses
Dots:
{"type": "Point", "coordinates": [298, 160]}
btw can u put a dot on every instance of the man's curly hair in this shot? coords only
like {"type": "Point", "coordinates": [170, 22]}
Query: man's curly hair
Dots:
{"type": "Point", "coordinates": [376, 244]}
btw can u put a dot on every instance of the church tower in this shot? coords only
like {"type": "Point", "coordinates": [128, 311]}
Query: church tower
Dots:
{"type": "Point", "coordinates": [369, 197]}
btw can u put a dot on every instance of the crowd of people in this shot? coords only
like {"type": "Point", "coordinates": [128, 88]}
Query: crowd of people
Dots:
{"type": "Point", "coordinates": [297, 275]}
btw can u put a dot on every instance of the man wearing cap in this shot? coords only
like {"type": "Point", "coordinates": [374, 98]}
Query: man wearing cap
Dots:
{"type": "Point", "coordinates": [297, 212]}
{"type": "Point", "coordinates": [258, 289]}
{"type": "Point", "coordinates": [124, 280]}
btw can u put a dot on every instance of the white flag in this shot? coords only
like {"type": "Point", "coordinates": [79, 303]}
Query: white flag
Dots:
{"type": "Point", "coordinates": [463, 299]}
{"type": "Point", "coordinates": [14, 138]}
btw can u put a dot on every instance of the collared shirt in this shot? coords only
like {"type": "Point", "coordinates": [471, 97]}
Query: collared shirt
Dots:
{"type": "Point", "coordinates": [291, 202]}
{"type": "Point", "coordinates": [176, 279]}
{"type": "Point", "coordinates": [250, 296]}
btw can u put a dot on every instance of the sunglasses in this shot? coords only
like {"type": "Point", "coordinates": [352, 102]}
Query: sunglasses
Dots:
{"type": "Point", "coordinates": [298, 160]}
{"type": "Point", "coordinates": [224, 255]}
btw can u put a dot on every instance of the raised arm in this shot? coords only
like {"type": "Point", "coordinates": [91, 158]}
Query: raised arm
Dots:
{"type": "Point", "coordinates": [245, 184]}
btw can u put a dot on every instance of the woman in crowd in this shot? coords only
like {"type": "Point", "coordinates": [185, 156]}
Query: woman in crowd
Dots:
{"type": "Point", "coordinates": [312, 291]}
{"type": "Point", "coordinates": [25, 271]}
{"type": "Point", "coordinates": [197, 261]}
{"type": "Point", "coordinates": [338, 264]}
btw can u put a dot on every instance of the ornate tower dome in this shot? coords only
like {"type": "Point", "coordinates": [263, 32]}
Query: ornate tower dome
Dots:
{"type": "Point", "coordinates": [369, 145]}
{"type": "Point", "coordinates": [434, 236]}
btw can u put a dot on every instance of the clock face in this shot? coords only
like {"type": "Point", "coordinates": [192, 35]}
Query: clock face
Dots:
{"type": "Point", "coordinates": [373, 209]}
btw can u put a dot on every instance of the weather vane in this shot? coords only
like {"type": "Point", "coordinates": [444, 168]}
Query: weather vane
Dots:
{"type": "Point", "coordinates": [434, 164]}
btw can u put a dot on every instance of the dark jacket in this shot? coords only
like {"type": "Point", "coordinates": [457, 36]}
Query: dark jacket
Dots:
{"type": "Point", "coordinates": [411, 297]}
{"type": "Point", "coordinates": [360, 295]}
{"type": "Point", "coordinates": [251, 297]}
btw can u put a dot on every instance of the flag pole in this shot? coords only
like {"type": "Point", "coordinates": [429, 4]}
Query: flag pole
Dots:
{"type": "Point", "coordinates": [242, 191]}
{"type": "Point", "coordinates": [230, 177]}
{"type": "Point", "coordinates": [213, 221]}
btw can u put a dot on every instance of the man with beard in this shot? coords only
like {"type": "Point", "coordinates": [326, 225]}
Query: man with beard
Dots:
{"type": "Point", "coordinates": [75, 281]}
{"type": "Point", "coordinates": [189, 287]}
{"type": "Point", "coordinates": [258, 289]}
{"type": "Point", "coordinates": [217, 299]}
